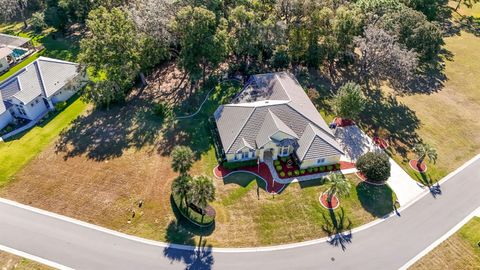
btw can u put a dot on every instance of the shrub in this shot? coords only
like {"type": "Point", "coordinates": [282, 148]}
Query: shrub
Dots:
{"type": "Point", "coordinates": [296, 172]}
{"type": "Point", "coordinates": [337, 166]}
{"type": "Point", "coordinates": [162, 110]}
{"type": "Point", "coordinates": [289, 173]}
{"type": "Point", "coordinates": [315, 169]}
{"type": "Point", "coordinates": [276, 162]}
{"type": "Point", "coordinates": [284, 159]}
{"type": "Point", "coordinates": [321, 168]}
{"type": "Point", "coordinates": [282, 174]}
{"type": "Point", "coordinates": [302, 171]}
{"type": "Point", "coordinates": [279, 168]}
{"type": "Point", "coordinates": [60, 106]}
{"type": "Point", "coordinates": [38, 22]}
{"type": "Point", "coordinates": [375, 166]}
{"type": "Point", "coordinates": [310, 170]}
{"type": "Point", "coordinates": [239, 164]}
{"type": "Point", "coordinates": [329, 167]}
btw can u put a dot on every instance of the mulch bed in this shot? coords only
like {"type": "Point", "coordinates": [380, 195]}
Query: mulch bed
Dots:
{"type": "Point", "coordinates": [363, 178]}
{"type": "Point", "coordinates": [292, 167]}
{"type": "Point", "coordinates": [414, 165]}
{"type": "Point", "coordinates": [264, 172]}
{"type": "Point", "coordinates": [324, 201]}
{"type": "Point", "coordinates": [382, 143]}
{"type": "Point", "coordinates": [341, 122]}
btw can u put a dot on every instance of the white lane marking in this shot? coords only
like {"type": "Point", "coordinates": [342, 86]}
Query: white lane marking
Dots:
{"type": "Point", "coordinates": [227, 250]}
{"type": "Point", "coordinates": [439, 240]}
{"type": "Point", "coordinates": [34, 258]}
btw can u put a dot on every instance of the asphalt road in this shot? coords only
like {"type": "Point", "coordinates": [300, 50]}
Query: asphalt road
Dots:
{"type": "Point", "coordinates": [387, 245]}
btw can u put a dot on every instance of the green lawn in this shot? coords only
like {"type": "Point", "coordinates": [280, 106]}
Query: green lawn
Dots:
{"type": "Point", "coordinates": [17, 152]}
{"type": "Point", "coordinates": [460, 251]}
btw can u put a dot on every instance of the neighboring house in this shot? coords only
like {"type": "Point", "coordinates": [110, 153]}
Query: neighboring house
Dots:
{"type": "Point", "coordinates": [272, 117]}
{"type": "Point", "coordinates": [35, 89]}
{"type": "Point", "coordinates": [5, 52]}
{"type": "Point", "coordinates": [5, 116]}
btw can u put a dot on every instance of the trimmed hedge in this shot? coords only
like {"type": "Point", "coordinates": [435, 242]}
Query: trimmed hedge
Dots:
{"type": "Point", "coordinates": [375, 166]}
{"type": "Point", "coordinates": [192, 214]}
{"type": "Point", "coordinates": [239, 164]}
{"type": "Point", "coordinates": [282, 174]}
{"type": "Point", "coordinates": [289, 173]}
{"type": "Point", "coordinates": [279, 168]}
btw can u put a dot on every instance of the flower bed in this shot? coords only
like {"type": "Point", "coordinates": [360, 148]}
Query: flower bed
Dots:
{"type": "Point", "coordinates": [286, 167]}
{"type": "Point", "coordinates": [325, 203]}
{"type": "Point", "coordinates": [382, 143]}
{"type": "Point", "coordinates": [341, 122]}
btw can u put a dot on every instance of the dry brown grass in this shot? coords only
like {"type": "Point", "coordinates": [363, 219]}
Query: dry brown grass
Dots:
{"type": "Point", "coordinates": [11, 262]}
{"type": "Point", "coordinates": [460, 251]}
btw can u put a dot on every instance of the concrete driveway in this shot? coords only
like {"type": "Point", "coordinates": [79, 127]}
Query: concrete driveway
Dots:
{"type": "Point", "coordinates": [356, 143]}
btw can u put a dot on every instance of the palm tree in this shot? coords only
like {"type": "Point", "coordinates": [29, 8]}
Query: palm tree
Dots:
{"type": "Point", "coordinates": [423, 150]}
{"type": "Point", "coordinates": [337, 184]}
{"type": "Point", "coordinates": [182, 159]}
{"type": "Point", "coordinates": [181, 186]}
{"type": "Point", "coordinates": [202, 192]}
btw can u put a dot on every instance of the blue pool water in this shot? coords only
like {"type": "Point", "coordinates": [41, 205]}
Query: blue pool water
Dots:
{"type": "Point", "coordinates": [17, 53]}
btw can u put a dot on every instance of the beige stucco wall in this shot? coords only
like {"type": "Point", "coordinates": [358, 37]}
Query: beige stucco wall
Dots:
{"type": "Point", "coordinates": [3, 64]}
{"type": "Point", "coordinates": [313, 162]}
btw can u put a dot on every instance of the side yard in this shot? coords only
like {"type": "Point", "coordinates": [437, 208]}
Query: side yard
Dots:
{"type": "Point", "coordinates": [459, 251]}
{"type": "Point", "coordinates": [16, 152]}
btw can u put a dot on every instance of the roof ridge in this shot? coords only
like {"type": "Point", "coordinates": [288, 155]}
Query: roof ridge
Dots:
{"type": "Point", "coordinates": [283, 87]}
{"type": "Point", "coordinates": [310, 121]}
{"type": "Point", "coordinates": [243, 126]}
{"type": "Point", "coordinates": [316, 135]}
{"type": "Point", "coordinates": [40, 77]}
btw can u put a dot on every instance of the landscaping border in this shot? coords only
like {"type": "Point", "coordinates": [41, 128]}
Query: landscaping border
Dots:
{"type": "Point", "coordinates": [416, 169]}
{"type": "Point", "coordinates": [206, 225]}
{"type": "Point", "coordinates": [335, 196]}
{"type": "Point", "coordinates": [368, 182]}
{"type": "Point", "coordinates": [239, 171]}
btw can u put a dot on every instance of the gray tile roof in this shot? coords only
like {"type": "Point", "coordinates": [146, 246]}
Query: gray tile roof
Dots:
{"type": "Point", "coordinates": [313, 145]}
{"type": "Point", "coordinates": [269, 103]}
{"type": "Point", "coordinates": [271, 125]}
{"type": "Point", "coordinates": [10, 40]}
{"type": "Point", "coordinates": [45, 76]}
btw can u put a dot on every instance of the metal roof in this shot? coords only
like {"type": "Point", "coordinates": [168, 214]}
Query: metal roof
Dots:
{"type": "Point", "coordinates": [14, 41]}
{"type": "Point", "coordinates": [45, 76]}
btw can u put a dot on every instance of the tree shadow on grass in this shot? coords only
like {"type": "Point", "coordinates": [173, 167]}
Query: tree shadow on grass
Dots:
{"type": "Point", "coordinates": [377, 200]}
{"type": "Point", "coordinates": [312, 183]}
{"type": "Point", "coordinates": [105, 134]}
{"type": "Point", "coordinates": [338, 227]}
{"type": "Point", "coordinates": [387, 114]}
{"type": "Point", "coordinates": [425, 179]}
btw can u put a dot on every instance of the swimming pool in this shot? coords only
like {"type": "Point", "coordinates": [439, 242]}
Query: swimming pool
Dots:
{"type": "Point", "coordinates": [18, 52]}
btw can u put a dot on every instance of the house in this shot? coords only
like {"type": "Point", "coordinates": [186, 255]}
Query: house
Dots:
{"type": "Point", "coordinates": [34, 90]}
{"type": "Point", "coordinates": [5, 116]}
{"type": "Point", "coordinates": [273, 117]}
{"type": "Point", "coordinates": [13, 49]}
{"type": "Point", "coordinates": [5, 52]}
